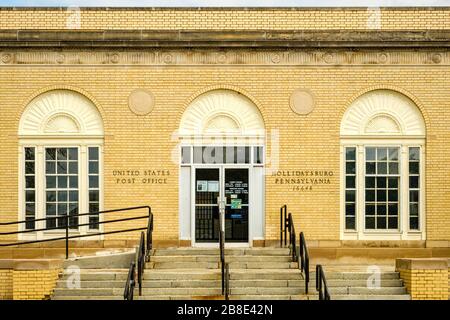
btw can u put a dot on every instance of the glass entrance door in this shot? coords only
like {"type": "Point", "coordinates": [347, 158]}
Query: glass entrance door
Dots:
{"type": "Point", "coordinates": [232, 186]}
{"type": "Point", "coordinates": [236, 208]}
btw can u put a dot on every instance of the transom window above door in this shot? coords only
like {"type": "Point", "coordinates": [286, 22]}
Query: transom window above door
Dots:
{"type": "Point", "coordinates": [222, 155]}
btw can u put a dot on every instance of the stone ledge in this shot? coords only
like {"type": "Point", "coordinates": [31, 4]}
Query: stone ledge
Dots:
{"type": "Point", "coordinates": [215, 38]}
{"type": "Point", "coordinates": [422, 264]}
{"type": "Point", "coordinates": [31, 264]}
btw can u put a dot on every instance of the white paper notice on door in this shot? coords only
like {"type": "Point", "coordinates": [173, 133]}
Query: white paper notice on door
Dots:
{"type": "Point", "coordinates": [202, 186]}
{"type": "Point", "coordinates": [213, 186]}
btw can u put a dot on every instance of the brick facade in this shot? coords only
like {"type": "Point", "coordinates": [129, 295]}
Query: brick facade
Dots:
{"type": "Point", "coordinates": [307, 142]}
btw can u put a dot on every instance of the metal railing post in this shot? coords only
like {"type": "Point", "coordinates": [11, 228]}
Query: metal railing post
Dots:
{"type": "Point", "coordinates": [67, 236]}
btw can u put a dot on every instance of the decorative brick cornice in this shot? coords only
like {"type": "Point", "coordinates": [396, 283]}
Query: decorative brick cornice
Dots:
{"type": "Point", "coordinates": [214, 38]}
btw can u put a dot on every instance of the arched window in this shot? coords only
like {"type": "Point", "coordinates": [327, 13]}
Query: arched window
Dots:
{"type": "Point", "coordinates": [382, 186]}
{"type": "Point", "coordinates": [60, 150]}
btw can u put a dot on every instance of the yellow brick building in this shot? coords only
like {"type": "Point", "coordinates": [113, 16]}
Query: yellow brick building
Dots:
{"type": "Point", "coordinates": [341, 114]}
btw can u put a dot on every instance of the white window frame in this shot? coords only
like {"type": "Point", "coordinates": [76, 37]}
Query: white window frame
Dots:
{"type": "Point", "coordinates": [40, 145]}
{"type": "Point", "coordinates": [403, 232]}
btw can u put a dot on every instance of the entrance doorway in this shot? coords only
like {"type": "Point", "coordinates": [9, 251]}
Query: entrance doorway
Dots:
{"type": "Point", "coordinates": [231, 186]}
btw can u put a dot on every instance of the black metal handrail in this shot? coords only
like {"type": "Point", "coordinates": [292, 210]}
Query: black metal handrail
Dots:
{"type": "Point", "coordinates": [142, 254]}
{"type": "Point", "coordinates": [292, 238]}
{"type": "Point", "coordinates": [128, 293]}
{"type": "Point", "coordinates": [67, 226]}
{"type": "Point", "coordinates": [222, 258]}
{"type": "Point", "coordinates": [304, 260]}
{"type": "Point", "coordinates": [321, 283]}
{"type": "Point", "coordinates": [227, 281]}
{"type": "Point", "coordinates": [283, 225]}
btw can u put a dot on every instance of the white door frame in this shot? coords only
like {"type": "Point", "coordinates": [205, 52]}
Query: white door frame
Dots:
{"type": "Point", "coordinates": [222, 168]}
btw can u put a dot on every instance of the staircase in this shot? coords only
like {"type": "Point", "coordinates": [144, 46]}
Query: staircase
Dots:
{"type": "Point", "coordinates": [194, 273]}
{"type": "Point", "coordinates": [352, 284]}
{"type": "Point", "coordinates": [255, 274]}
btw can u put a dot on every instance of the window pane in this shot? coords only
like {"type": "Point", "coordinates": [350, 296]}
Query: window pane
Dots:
{"type": "Point", "coordinates": [350, 209]}
{"type": "Point", "coordinates": [29, 196]}
{"type": "Point", "coordinates": [51, 196]}
{"type": "Point", "coordinates": [93, 153]}
{"type": "Point", "coordinates": [393, 154]}
{"type": "Point", "coordinates": [414, 182]}
{"type": "Point", "coordinates": [370, 154]}
{"type": "Point", "coordinates": [393, 182]}
{"type": "Point", "coordinates": [61, 154]}
{"type": "Point", "coordinates": [381, 222]}
{"type": "Point", "coordinates": [393, 167]}
{"type": "Point", "coordinates": [381, 182]}
{"type": "Point", "coordinates": [29, 167]}
{"type": "Point", "coordinates": [29, 154]}
{"type": "Point", "coordinates": [350, 182]}
{"type": "Point", "coordinates": [50, 167]}
{"type": "Point", "coordinates": [350, 223]}
{"type": "Point", "coordinates": [350, 168]}
{"type": "Point", "coordinates": [414, 154]}
{"type": "Point", "coordinates": [393, 195]}
{"type": "Point", "coordinates": [370, 182]}
{"type": "Point", "coordinates": [258, 155]}
{"type": "Point", "coordinates": [29, 182]}
{"type": "Point", "coordinates": [393, 209]}
{"type": "Point", "coordinates": [370, 195]}
{"type": "Point", "coordinates": [62, 182]}
{"type": "Point", "coordinates": [62, 168]}
{"type": "Point", "coordinates": [381, 154]}
{"type": "Point", "coordinates": [50, 154]}
{"type": "Point", "coordinates": [73, 154]}
{"type": "Point", "coordinates": [414, 223]}
{"type": "Point", "coordinates": [93, 182]}
{"type": "Point", "coordinates": [381, 168]}
{"type": "Point", "coordinates": [370, 209]}
{"type": "Point", "coordinates": [370, 167]}
{"type": "Point", "coordinates": [350, 154]}
{"type": "Point", "coordinates": [393, 223]}
{"type": "Point", "coordinates": [413, 209]}
{"type": "Point", "coordinates": [93, 196]}
{"type": "Point", "coordinates": [381, 195]}
{"type": "Point", "coordinates": [50, 209]}
{"type": "Point", "coordinates": [185, 155]}
{"type": "Point", "coordinates": [73, 196]}
{"type": "Point", "coordinates": [51, 182]}
{"type": "Point", "coordinates": [73, 167]}
{"type": "Point", "coordinates": [30, 209]}
{"type": "Point", "coordinates": [381, 209]}
{"type": "Point", "coordinates": [350, 196]}
{"type": "Point", "coordinates": [73, 182]}
{"type": "Point", "coordinates": [414, 168]}
{"type": "Point", "coordinates": [414, 196]}
{"type": "Point", "coordinates": [93, 167]}
{"type": "Point", "coordinates": [370, 222]}
{"type": "Point", "coordinates": [62, 196]}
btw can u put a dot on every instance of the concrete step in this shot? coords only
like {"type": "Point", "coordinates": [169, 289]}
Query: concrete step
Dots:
{"type": "Point", "coordinates": [268, 297]}
{"type": "Point", "coordinates": [356, 275]}
{"type": "Point", "coordinates": [267, 291]}
{"type": "Point", "coordinates": [367, 291]}
{"type": "Point", "coordinates": [145, 291]}
{"type": "Point", "coordinates": [87, 297]}
{"type": "Point", "coordinates": [215, 252]}
{"type": "Point", "coordinates": [370, 297]}
{"type": "Point", "coordinates": [188, 284]}
{"type": "Point", "coordinates": [362, 283]}
{"type": "Point", "coordinates": [216, 259]}
{"type": "Point", "coordinates": [216, 265]}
